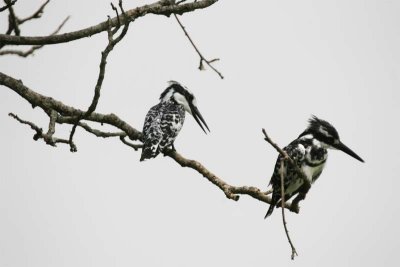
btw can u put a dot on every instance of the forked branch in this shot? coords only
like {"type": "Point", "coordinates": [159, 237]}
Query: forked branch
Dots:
{"type": "Point", "coordinates": [33, 48]}
{"type": "Point", "coordinates": [202, 58]}
{"type": "Point", "coordinates": [67, 115]}
{"type": "Point", "coordinates": [8, 5]}
{"type": "Point", "coordinates": [157, 8]}
{"type": "Point", "coordinates": [112, 41]}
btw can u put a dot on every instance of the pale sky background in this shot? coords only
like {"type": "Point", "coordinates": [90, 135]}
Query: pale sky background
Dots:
{"type": "Point", "coordinates": [283, 61]}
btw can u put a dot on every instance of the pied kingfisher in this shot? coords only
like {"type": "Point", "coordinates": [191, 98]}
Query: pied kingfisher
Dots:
{"type": "Point", "coordinates": [309, 152]}
{"type": "Point", "coordinates": [164, 121]}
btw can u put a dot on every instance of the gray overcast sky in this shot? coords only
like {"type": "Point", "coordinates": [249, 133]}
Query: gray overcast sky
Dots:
{"type": "Point", "coordinates": [283, 61]}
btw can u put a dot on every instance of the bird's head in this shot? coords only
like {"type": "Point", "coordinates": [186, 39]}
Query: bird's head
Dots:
{"type": "Point", "coordinates": [324, 132]}
{"type": "Point", "coordinates": [181, 95]}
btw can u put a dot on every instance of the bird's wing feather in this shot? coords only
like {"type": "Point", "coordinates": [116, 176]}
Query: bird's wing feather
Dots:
{"type": "Point", "coordinates": [152, 133]}
{"type": "Point", "coordinates": [296, 151]}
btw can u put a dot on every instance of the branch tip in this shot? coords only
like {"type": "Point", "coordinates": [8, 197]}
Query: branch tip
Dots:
{"type": "Point", "coordinates": [202, 58]}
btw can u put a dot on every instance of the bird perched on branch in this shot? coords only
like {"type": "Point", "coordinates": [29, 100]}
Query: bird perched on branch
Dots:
{"type": "Point", "coordinates": [164, 121]}
{"type": "Point", "coordinates": [309, 152]}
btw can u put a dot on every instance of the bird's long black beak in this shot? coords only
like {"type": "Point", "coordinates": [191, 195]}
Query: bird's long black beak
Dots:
{"type": "Point", "coordinates": [199, 119]}
{"type": "Point", "coordinates": [347, 150]}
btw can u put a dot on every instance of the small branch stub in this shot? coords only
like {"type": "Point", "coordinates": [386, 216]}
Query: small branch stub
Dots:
{"type": "Point", "coordinates": [202, 58]}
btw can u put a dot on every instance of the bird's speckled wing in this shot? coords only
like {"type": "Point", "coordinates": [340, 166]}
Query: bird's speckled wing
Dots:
{"type": "Point", "coordinates": [161, 126]}
{"type": "Point", "coordinates": [292, 181]}
{"type": "Point", "coordinates": [152, 133]}
{"type": "Point", "coordinates": [171, 123]}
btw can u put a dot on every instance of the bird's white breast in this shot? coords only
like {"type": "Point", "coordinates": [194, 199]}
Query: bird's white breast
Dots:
{"type": "Point", "coordinates": [312, 172]}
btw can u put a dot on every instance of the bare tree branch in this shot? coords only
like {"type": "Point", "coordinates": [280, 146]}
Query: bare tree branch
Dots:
{"type": "Point", "coordinates": [59, 113]}
{"type": "Point", "coordinates": [12, 19]}
{"type": "Point", "coordinates": [202, 58]}
{"type": "Point", "coordinates": [67, 114]}
{"type": "Point", "coordinates": [14, 22]}
{"type": "Point", "coordinates": [48, 137]}
{"type": "Point", "coordinates": [157, 8]}
{"type": "Point", "coordinates": [134, 146]}
{"type": "Point", "coordinates": [38, 130]}
{"type": "Point", "coordinates": [33, 48]}
{"type": "Point", "coordinates": [8, 5]}
{"type": "Point", "coordinates": [99, 133]}
{"type": "Point", "coordinates": [110, 46]}
{"type": "Point", "coordinates": [294, 253]}
{"type": "Point", "coordinates": [36, 15]}
{"type": "Point", "coordinates": [13, 25]}
{"type": "Point", "coordinates": [231, 192]}
{"type": "Point", "coordinates": [52, 125]}
{"type": "Point", "coordinates": [294, 207]}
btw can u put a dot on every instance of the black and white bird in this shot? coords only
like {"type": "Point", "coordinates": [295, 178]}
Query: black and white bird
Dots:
{"type": "Point", "coordinates": [309, 152]}
{"type": "Point", "coordinates": [164, 121]}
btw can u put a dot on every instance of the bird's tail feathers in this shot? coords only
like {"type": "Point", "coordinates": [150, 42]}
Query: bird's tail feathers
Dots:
{"type": "Point", "coordinates": [148, 153]}
{"type": "Point", "coordinates": [270, 210]}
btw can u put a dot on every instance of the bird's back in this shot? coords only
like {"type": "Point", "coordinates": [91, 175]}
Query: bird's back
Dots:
{"type": "Point", "coordinates": [162, 124]}
{"type": "Point", "coordinates": [172, 120]}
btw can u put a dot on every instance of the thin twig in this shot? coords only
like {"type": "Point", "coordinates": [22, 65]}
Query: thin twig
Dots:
{"type": "Point", "coordinates": [111, 43]}
{"type": "Point", "coordinates": [134, 146]}
{"type": "Point", "coordinates": [37, 129]}
{"type": "Point", "coordinates": [8, 5]}
{"type": "Point", "coordinates": [294, 207]}
{"type": "Point", "coordinates": [118, 19]}
{"type": "Point", "coordinates": [39, 132]}
{"type": "Point", "coordinates": [156, 8]}
{"type": "Point", "coordinates": [99, 133]}
{"type": "Point", "coordinates": [12, 20]}
{"type": "Point", "coordinates": [294, 253]}
{"type": "Point", "coordinates": [202, 58]}
{"type": "Point", "coordinates": [33, 48]}
{"type": "Point", "coordinates": [13, 25]}
{"type": "Point", "coordinates": [36, 15]}
{"type": "Point", "coordinates": [48, 137]}
{"type": "Point", "coordinates": [284, 155]}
